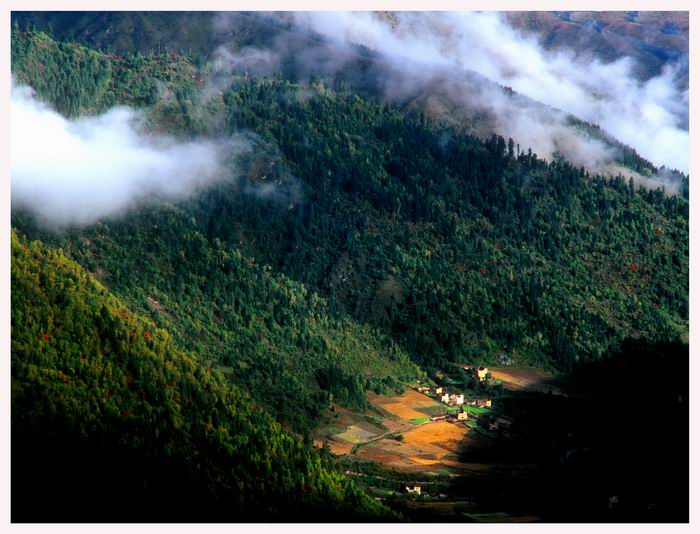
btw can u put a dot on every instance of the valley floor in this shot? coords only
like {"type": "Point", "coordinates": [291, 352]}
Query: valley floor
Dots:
{"type": "Point", "coordinates": [400, 435]}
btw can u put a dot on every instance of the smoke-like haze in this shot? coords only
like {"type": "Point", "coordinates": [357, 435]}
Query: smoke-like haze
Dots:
{"type": "Point", "coordinates": [650, 116]}
{"type": "Point", "coordinates": [77, 171]}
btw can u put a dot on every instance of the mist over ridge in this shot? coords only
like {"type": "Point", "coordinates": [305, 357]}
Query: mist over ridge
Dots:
{"type": "Point", "coordinates": [650, 115]}
{"type": "Point", "coordinates": [75, 171]}
{"type": "Point", "coordinates": [248, 248]}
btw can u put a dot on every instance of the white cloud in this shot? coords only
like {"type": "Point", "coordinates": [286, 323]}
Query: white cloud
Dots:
{"type": "Point", "coordinates": [77, 171]}
{"type": "Point", "coordinates": [649, 116]}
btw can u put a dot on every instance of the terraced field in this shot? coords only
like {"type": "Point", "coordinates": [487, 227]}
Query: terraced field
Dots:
{"type": "Point", "coordinates": [431, 447]}
{"type": "Point", "coordinates": [400, 436]}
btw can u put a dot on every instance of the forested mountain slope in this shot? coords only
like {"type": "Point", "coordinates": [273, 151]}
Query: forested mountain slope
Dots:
{"type": "Point", "coordinates": [122, 32]}
{"type": "Point", "coordinates": [650, 37]}
{"type": "Point", "coordinates": [269, 44]}
{"type": "Point", "coordinates": [268, 332]}
{"type": "Point", "coordinates": [456, 247]}
{"type": "Point", "coordinates": [355, 245]}
{"type": "Point", "coordinates": [111, 420]}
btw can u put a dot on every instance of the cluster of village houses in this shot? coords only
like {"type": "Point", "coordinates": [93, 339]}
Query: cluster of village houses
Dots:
{"type": "Point", "coordinates": [496, 424]}
{"type": "Point", "coordinates": [493, 424]}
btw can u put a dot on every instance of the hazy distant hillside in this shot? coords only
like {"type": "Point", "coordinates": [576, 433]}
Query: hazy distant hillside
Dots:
{"type": "Point", "coordinates": [268, 44]}
{"type": "Point", "coordinates": [194, 33]}
{"type": "Point", "coordinates": [652, 38]}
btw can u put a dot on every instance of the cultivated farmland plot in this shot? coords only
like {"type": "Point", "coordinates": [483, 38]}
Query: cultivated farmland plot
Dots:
{"type": "Point", "coordinates": [425, 446]}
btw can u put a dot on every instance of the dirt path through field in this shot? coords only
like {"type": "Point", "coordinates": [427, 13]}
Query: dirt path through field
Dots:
{"type": "Point", "coordinates": [400, 434]}
{"type": "Point", "coordinates": [428, 447]}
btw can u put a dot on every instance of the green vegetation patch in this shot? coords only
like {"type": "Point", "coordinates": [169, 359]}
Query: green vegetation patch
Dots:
{"type": "Point", "coordinates": [419, 420]}
{"type": "Point", "coordinates": [108, 393]}
{"type": "Point", "coordinates": [477, 410]}
{"type": "Point", "coordinates": [356, 434]}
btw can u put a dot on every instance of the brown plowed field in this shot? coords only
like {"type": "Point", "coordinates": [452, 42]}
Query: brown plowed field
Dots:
{"type": "Point", "coordinates": [427, 447]}
{"type": "Point", "coordinates": [525, 379]}
{"type": "Point", "coordinates": [406, 406]}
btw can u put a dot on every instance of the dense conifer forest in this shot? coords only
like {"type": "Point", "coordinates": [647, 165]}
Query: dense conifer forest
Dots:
{"type": "Point", "coordinates": [135, 428]}
{"type": "Point", "coordinates": [356, 246]}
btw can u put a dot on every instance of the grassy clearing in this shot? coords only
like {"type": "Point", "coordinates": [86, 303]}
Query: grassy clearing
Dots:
{"type": "Point", "coordinates": [476, 410]}
{"type": "Point", "coordinates": [419, 420]}
{"type": "Point", "coordinates": [355, 434]}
